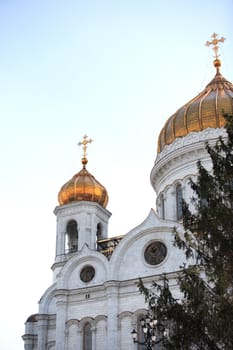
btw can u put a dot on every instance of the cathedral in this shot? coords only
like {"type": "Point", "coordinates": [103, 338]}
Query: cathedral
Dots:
{"type": "Point", "coordinates": [94, 302]}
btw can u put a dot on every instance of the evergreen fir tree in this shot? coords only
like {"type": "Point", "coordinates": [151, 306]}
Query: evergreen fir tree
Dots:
{"type": "Point", "coordinates": [203, 319]}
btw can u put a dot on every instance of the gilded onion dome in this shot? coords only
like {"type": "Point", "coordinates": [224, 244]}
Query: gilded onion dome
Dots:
{"type": "Point", "coordinates": [83, 186]}
{"type": "Point", "coordinates": [203, 111]}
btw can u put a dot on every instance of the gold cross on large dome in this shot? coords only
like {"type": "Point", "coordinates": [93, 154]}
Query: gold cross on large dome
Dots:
{"type": "Point", "coordinates": [215, 42]}
{"type": "Point", "coordinates": [84, 143]}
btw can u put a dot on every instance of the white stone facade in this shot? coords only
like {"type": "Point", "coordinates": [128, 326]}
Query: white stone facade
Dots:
{"type": "Point", "coordinates": [107, 300]}
{"type": "Point", "coordinates": [111, 301]}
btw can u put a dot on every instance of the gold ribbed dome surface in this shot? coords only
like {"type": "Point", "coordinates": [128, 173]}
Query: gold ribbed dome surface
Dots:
{"type": "Point", "coordinates": [83, 187]}
{"type": "Point", "coordinates": [202, 112]}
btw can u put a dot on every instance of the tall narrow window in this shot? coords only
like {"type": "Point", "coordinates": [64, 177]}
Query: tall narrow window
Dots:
{"type": "Point", "coordinates": [72, 235]}
{"type": "Point", "coordinates": [141, 337]}
{"type": "Point", "coordinates": [99, 231]}
{"type": "Point", "coordinates": [162, 203]}
{"type": "Point", "coordinates": [87, 337]}
{"type": "Point", "coordinates": [98, 235]}
{"type": "Point", "coordinates": [179, 200]}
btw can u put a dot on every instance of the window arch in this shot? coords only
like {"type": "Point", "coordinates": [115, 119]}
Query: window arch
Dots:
{"type": "Point", "coordinates": [87, 337]}
{"type": "Point", "coordinates": [72, 236]}
{"type": "Point", "coordinates": [179, 201]}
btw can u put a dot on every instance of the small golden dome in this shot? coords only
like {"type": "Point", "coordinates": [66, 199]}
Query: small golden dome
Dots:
{"type": "Point", "coordinates": [83, 187]}
{"type": "Point", "coordinates": [202, 112]}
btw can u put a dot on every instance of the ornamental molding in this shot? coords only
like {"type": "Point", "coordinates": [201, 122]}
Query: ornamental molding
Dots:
{"type": "Point", "coordinates": [209, 134]}
{"type": "Point", "coordinates": [180, 158]}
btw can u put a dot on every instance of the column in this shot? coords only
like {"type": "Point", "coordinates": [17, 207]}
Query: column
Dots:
{"type": "Point", "coordinates": [28, 341]}
{"type": "Point", "coordinates": [112, 288]}
{"type": "Point", "coordinates": [93, 332]}
{"type": "Point", "coordinates": [42, 331]}
{"type": "Point", "coordinates": [61, 303]}
{"type": "Point", "coordinates": [80, 339]}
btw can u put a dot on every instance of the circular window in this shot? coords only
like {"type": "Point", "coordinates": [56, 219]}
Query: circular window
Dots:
{"type": "Point", "coordinates": [87, 273]}
{"type": "Point", "coordinates": [155, 253]}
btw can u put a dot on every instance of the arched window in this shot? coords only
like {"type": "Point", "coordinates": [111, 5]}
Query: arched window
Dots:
{"type": "Point", "coordinates": [99, 232]}
{"type": "Point", "coordinates": [72, 235]}
{"type": "Point", "coordinates": [162, 204]}
{"type": "Point", "coordinates": [98, 236]}
{"type": "Point", "coordinates": [87, 337]}
{"type": "Point", "coordinates": [140, 334]}
{"type": "Point", "coordinates": [179, 200]}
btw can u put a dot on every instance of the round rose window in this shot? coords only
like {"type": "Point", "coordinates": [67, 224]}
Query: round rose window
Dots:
{"type": "Point", "coordinates": [87, 273]}
{"type": "Point", "coordinates": [155, 253]}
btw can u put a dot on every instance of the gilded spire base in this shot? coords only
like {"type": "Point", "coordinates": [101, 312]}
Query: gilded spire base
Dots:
{"type": "Point", "coordinates": [84, 162]}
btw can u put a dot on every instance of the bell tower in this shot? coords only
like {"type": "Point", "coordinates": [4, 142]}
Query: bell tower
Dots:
{"type": "Point", "coordinates": [82, 217]}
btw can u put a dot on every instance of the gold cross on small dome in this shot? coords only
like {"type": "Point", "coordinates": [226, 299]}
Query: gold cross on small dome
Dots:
{"type": "Point", "coordinates": [84, 143]}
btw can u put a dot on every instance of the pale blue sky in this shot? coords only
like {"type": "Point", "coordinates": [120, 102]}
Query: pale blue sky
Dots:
{"type": "Point", "coordinates": [115, 70]}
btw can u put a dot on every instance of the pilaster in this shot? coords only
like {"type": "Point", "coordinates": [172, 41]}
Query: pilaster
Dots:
{"type": "Point", "coordinates": [61, 304]}
{"type": "Point", "coordinates": [112, 291]}
{"type": "Point", "coordinates": [42, 325]}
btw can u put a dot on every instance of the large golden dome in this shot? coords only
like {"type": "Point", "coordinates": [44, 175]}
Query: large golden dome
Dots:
{"type": "Point", "coordinates": [202, 112]}
{"type": "Point", "coordinates": [83, 187]}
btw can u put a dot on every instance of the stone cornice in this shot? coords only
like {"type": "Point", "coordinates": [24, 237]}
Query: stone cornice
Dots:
{"type": "Point", "coordinates": [183, 154]}
{"type": "Point", "coordinates": [75, 207]}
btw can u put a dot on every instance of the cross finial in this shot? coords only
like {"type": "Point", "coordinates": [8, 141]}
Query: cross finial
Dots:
{"type": "Point", "coordinates": [84, 143]}
{"type": "Point", "coordinates": [215, 42]}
